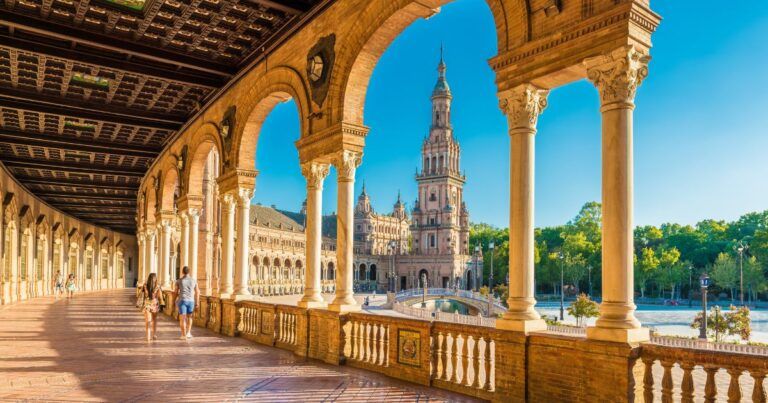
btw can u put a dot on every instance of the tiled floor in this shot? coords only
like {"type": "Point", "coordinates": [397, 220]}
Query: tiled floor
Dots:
{"type": "Point", "coordinates": [92, 349]}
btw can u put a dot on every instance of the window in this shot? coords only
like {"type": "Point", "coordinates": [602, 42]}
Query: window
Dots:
{"type": "Point", "coordinates": [104, 264]}
{"type": "Point", "coordinates": [431, 221]}
{"type": "Point", "coordinates": [432, 241]}
{"type": "Point", "coordinates": [89, 263]}
{"type": "Point", "coordinates": [432, 197]}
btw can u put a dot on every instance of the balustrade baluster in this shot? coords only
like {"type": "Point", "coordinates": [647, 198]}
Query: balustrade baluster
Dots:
{"type": "Point", "coordinates": [686, 386]}
{"type": "Point", "coordinates": [375, 344]}
{"type": "Point", "coordinates": [454, 360]}
{"type": "Point", "coordinates": [758, 391]}
{"type": "Point", "coordinates": [361, 341]}
{"type": "Point", "coordinates": [382, 348]}
{"type": "Point", "coordinates": [710, 389]}
{"type": "Point", "coordinates": [648, 379]}
{"type": "Point", "coordinates": [488, 365]}
{"type": "Point", "coordinates": [464, 360]}
{"type": "Point", "coordinates": [387, 339]}
{"type": "Point", "coordinates": [293, 329]}
{"type": "Point", "coordinates": [667, 386]}
{"type": "Point", "coordinates": [476, 363]}
{"type": "Point", "coordinates": [367, 342]}
{"type": "Point", "coordinates": [441, 345]}
{"type": "Point", "coordinates": [353, 341]}
{"type": "Point", "coordinates": [734, 390]}
{"type": "Point", "coordinates": [364, 342]}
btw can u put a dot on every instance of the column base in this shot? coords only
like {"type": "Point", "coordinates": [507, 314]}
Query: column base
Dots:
{"type": "Point", "coordinates": [525, 326]}
{"type": "Point", "coordinates": [342, 308]}
{"type": "Point", "coordinates": [225, 295]}
{"type": "Point", "coordinates": [633, 335]}
{"type": "Point", "coordinates": [312, 304]}
{"type": "Point", "coordinates": [243, 297]}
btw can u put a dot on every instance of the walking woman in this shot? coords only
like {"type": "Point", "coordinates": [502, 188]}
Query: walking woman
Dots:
{"type": "Point", "coordinates": [153, 297]}
{"type": "Point", "coordinates": [71, 286]}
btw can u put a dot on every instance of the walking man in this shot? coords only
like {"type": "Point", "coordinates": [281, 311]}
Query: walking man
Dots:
{"type": "Point", "coordinates": [187, 297]}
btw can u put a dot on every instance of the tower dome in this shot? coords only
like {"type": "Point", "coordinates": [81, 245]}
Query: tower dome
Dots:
{"type": "Point", "coordinates": [441, 87]}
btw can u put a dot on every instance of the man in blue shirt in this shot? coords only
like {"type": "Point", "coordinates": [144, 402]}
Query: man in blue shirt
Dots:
{"type": "Point", "coordinates": [187, 298]}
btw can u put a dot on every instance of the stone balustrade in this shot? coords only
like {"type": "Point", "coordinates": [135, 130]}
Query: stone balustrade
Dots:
{"type": "Point", "coordinates": [493, 364]}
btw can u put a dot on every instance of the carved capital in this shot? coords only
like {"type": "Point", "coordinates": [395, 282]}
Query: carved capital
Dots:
{"type": "Point", "coordinates": [346, 162]}
{"type": "Point", "coordinates": [523, 105]}
{"type": "Point", "coordinates": [315, 173]}
{"type": "Point", "coordinates": [227, 201]}
{"type": "Point", "coordinates": [194, 215]}
{"type": "Point", "coordinates": [150, 234]}
{"type": "Point", "coordinates": [244, 196]}
{"type": "Point", "coordinates": [618, 74]}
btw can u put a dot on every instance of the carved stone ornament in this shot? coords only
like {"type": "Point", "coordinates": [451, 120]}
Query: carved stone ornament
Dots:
{"type": "Point", "coordinates": [181, 161]}
{"type": "Point", "coordinates": [523, 105]}
{"type": "Point", "coordinates": [244, 196]}
{"type": "Point", "coordinates": [226, 130]}
{"type": "Point", "coordinates": [315, 173]}
{"type": "Point", "coordinates": [346, 162]}
{"type": "Point", "coordinates": [618, 74]}
{"type": "Point", "coordinates": [319, 67]}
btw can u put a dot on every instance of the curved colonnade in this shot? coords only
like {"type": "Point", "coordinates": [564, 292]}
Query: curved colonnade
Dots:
{"type": "Point", "coordinates": [38, 240]}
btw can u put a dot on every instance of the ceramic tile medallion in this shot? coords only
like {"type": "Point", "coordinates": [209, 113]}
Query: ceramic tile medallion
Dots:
{"type": "Point", "coordinates": [408, 347]}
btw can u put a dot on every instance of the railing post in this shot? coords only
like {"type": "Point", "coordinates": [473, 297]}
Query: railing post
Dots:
{"type": "Point", "coordinates": [710, 389]}
{"type": "Point", "coordinates": [648, 379]}
{"type": "Point", "coordinates": [734, 390]}
{"type": "Point", "coordinates": [686, 395]}
{"type": "Point", "coordinates": [758, 392]}
{"type": "Point", "coordinates": [667, 386]}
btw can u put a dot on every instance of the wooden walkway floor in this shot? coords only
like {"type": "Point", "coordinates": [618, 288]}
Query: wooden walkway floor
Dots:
{"type": "Point", "coordinates": [92, 349]}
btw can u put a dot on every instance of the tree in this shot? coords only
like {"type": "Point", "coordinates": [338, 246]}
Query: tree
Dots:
{"type": "Point", "coordinates": [645, 267]}
{"type": "Point", "coordinates": [669, 272]}
{"type": "Point", "coordinates": [754, 278]}
{"type": "Point", "coordinates": [583, 308]}
{"type": "Point", "coordinates": [502, 291]}
{"type": "Point", "coordinates": [737, 322]}
{"type": "Point", "coordinates": [725, 273]}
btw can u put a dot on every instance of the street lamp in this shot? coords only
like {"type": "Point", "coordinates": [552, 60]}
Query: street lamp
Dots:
{"type": "Point", "coordinates": [740, 248]}
{"type": "Point", "coordinates": [391, 285]}
{"type": "Point", "coordinates": [704, 280]}
{"type": "Point", "coordinates": [477, 253]}
{"type": "Point", "coordinates": [490, 281]}
{"type": "Point", "coordinates": [562, 294]}
{"type": "Point", "coordinates": [690, 285]}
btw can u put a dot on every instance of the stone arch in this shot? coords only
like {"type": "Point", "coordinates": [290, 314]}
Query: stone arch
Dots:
{"type": "Point", "coordinates": [205, 140]}
{"type": "Point", "coordinates": [279, 84]}
{"type": "Point", "coordinates": [42, 226]}
{"type": "Point", "coordinates": [379, 23]}
{"type": "Point", "coordinates": [168, 186]}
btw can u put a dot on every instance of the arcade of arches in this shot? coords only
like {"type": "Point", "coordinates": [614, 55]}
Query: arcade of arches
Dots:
{"type": "Point", "coordinates": [193, 201]}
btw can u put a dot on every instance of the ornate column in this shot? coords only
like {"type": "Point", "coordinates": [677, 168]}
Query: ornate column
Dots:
{"type": "Point", "coordinates": [242, 269]}
{"type": "Point", "coordinates": [226, 287]}
{"type": "Point", "coordinates": [617, 76]}
{"type": "Point", "coordinates": [522, 105]}
{"type": "Point", "coordinates": [314, 173]}
{"type": "Point", "coordinates": [141, 264]}
{"type": "Point", "coordinates": [194, 229]}
{"type": "Point", "coordinates": [149, 253]}
{"type": "Point", "coordinates": [346, 162]}
{"type": "Point", "coordinates": [165, 253]}
{"type": "Point", "coordinates": [184, 247]}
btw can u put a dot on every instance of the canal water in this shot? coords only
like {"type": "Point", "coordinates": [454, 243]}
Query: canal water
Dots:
{"type": "Point", "coordinates": [446, 305]}
{"type": "Point", "coordinates": [669, 320]}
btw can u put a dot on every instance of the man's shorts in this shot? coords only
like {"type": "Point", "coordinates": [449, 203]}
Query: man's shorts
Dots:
{"type": "Point", "coordinates": [186, 307]}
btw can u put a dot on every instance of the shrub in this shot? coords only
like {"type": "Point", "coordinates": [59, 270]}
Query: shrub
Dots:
{"type": "Point", "coordinates": [583, 308]}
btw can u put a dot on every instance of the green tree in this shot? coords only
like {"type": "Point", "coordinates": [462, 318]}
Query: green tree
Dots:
{"type": "Point", "coordinates": [754, 278]}
{"type": "Point", "coordinates": [736, 322]}
{"type": "Point", "coordinates": [669, 272]}
{"type": "Point", "coordinates": [645, 268]}
{"type": "Point", "coordinates": [725, 273]}
{"type": "Point", "coordinates": [583, 308]}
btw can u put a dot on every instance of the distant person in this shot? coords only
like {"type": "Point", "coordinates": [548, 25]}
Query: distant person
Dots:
{"type": "Point", "coordinates": [71, 287]}
{"type": "Point", "coordinates": [58, 284]}
{"type": "Point", "coordinates": [153, 296]}
{"type": "Point", "coordinates": [187, 297]}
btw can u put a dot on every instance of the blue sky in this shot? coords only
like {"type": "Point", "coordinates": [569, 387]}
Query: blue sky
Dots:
{"type": "Point", "coordinates": [700, 123]}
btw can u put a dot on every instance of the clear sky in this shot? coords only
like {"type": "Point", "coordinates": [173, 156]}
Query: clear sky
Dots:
{"type": "Point", "coordinates": [700, 123]}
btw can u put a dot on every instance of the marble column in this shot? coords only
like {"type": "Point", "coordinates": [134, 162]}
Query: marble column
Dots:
{"type": "Point", "coordinates": [141, 264]}
{"type": "Point", "coordinates": [226, 287]}
{"type": "Point", "coordinates": [242, 268]}
{"type": "Point", "coordinates": [522, 106]}
{"type": "Point", "coordinates": [315, 174]}
{"type": "Point", "coordinates": [184, 242]}
{"type": "Point", "coordinates": [165, 254]}
{"type": "Point", "coordinates": [150, 253]}
{"type": "Point", "coordinates": [194, 229]}
{"type": "Point", "coordinates": [346, 163]}
{"type": "Point", "coordinates": [617, 76]}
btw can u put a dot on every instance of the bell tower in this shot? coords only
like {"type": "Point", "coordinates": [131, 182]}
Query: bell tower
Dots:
{"type": "Point", "coordinates": [440, 220]}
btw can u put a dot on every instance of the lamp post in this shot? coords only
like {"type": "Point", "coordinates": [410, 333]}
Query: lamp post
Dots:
{"type": "Point", "coordinates": [490, 281]}
{"type": "Point", "coordinates": [690, 285]}
{"type": "Point", "coordinates": [704, 280]}
{"type": "Point", "coordinates": [740, 248]}
{"type": "Point", "coordinates": [562, 275]}
{"type": "Point", "coordinates": [424, 295]}
{"type": "Point", "coordinates": [477, 276]}
{"type": "Point", "coordinates": [391, 284]}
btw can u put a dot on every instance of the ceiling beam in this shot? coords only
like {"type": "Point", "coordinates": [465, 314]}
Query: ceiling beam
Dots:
{"type": "Point", "coordinates": [78, 56]}
{"type": "Point", "coordinates": [75, 167]}
{"type": "Point", "coordinates": [80, 195]}
{"type": "Point", "coordinates": [135, 49]}
{"type": "Point", "coordinates": [67, 107]}
{"type": "Point", "coordinates": [95, 204]}
{"type": "Point", "coordinates": [32, 181]}
{"type": "Point", "coordinates": [14, 137]}
{"type": "Point", "coordinates": [286, 6]}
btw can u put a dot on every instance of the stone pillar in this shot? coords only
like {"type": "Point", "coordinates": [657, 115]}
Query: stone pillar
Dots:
{"type": "Point", "coordinates": [194, 228]}
{"type": "Point", "coordinates": [522, 106]}
{"type": "Point", "coordinates": [315, 174]}
{"type": "Point", "coordinates": [226, 288]}
{"type": "Point", "coordinates": [346, 163]}
{"type": "Point", "coordinates": [617, 76]}
{"type": "Point", "coordinates": [165, 254]}
{"type": "Point", "coordinates": [150, 252]}
{"type": "Point", "coordinates": [242, 268]}
{"type": "Point", "coordinates": [184, 247]}
{"type": "Point", "coordinates": [141, 263]}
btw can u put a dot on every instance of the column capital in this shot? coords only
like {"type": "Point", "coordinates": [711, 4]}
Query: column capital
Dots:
{"type": "Point", "coordinates": [188, 201]}
{"type": "Point", "coordinates": [346, 162]}
{"type": "Point", "coordinates": [315, 173]}
{"type": "Point", "coordinates": [150, 233]}
{"type": "Point", "coordinates": [236, 179]}
{"type": "Point", "coordinates": [618, 74]}
{"type": "Point", "coordinates": [522, 105]}
{"type": "Point", "coordinates": [243, 196]}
